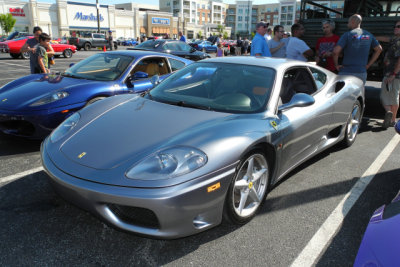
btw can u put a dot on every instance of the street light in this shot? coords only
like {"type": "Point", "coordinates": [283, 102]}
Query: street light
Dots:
{"type": "Point", "coordinates": [98, 16]}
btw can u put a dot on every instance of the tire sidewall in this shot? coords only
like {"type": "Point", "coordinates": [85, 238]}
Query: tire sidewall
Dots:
{"type": "Point", "coordinates": [346, 141]}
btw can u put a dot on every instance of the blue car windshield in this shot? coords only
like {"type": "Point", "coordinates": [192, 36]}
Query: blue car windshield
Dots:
{"type": "Point", "coordinates": [100, 67]}
{"type": "Point", "coordinates": [225, 87]}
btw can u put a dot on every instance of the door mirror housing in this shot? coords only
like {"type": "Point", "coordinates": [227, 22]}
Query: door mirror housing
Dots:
{"type": "Point", "coordinates": [140, 75]}
{"type": "Point", "coordinates": [298, 100]}
{"type": "Point", "coordinates": [155, 80]}
{"type": "Point", "coordinates": [70, 65]}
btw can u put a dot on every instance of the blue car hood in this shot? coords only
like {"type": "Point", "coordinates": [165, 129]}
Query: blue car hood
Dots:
{"type": "Point", "coordinates": [135, 130]}
{"type": "Point", "coordinates": [27, 90]}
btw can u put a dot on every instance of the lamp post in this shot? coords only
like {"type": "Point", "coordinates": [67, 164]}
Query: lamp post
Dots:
{"type": "Point", "coordinates": [98, 16]}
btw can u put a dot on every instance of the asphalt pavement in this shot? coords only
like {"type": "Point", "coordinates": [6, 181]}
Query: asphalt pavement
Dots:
{"type": "Point", "coordinates": [38, 228]}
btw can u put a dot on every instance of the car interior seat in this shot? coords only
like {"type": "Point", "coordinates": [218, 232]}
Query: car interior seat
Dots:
{"type": "Point", "coordinates": [152, 69]}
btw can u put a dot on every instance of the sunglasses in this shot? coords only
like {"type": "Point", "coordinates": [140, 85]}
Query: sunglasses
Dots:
{"type": "Point", "coordinates": [397, 26]}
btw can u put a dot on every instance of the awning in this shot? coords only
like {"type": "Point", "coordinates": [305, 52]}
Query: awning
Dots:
{"type": "Point", "coordinates": [175, 31]}
{"type": "Point", "coordinates": [142, 30]}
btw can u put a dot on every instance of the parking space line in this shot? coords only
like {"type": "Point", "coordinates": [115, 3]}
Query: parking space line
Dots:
{"type": "Point", "coordinates": [321, 239]}
{"type": "Point", "coordinates": [22, 65]}
{"type": "Point", "coordinates": [5, 79]}
{"type": "Point", "coordinates": [20, 175]}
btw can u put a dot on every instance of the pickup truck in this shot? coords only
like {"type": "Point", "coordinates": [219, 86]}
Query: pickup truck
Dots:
{"type": "Point", "coordinates": [91, 40]}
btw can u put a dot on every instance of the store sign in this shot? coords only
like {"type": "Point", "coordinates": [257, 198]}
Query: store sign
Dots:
{"type": "Point", "coordinates": [17, 12]}
{"type": "Point", "coordinates": [162, 21]}
{"type": "Point", "coordinates": [91, 17]}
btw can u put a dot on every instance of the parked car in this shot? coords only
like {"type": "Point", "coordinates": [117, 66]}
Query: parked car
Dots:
{"type": "Point", "coordinates": [380, 245]}
{"type": "Point", "coordinates": [173, 47]}
{"type": "Point", "coordinates": [120, 40]}
{"type": "Point", "coordinates": [91, 40]}
{"type": "Point", "coordinates": [205, 144]}
{"type": "Point", "coordinates": [129, 42]}
{"type": "Point", "coordinates": [34, 105]}
{"type": "Point", "coordinates": [204, 46]}
{"type": "Point", "coordinates": [14, 48]}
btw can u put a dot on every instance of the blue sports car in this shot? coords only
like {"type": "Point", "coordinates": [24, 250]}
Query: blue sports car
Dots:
{"type": "Point", "coordinates": [204, 46]}
{"type": "Point", "coordinates": [34, 105]}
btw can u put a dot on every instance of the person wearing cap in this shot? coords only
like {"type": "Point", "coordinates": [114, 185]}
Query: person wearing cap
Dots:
{"type": "Point", "coordinates": [259, 46]}
{"type": "Point", "coordinates": [110, 40]}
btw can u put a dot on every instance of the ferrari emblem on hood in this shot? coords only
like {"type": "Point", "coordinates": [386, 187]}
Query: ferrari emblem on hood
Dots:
{"type": "Point", "coordinates": [4, 100]}
{"type": "Point", "coordinates": [82, 155]}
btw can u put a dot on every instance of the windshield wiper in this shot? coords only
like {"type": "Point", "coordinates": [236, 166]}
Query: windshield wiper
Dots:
{"type": "Point", "coordinates": [65, 74]}
{"type": "Point", "coordinates": [190, 105]}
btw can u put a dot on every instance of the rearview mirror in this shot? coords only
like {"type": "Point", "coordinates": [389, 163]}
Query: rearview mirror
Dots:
{"type": "Point", "coordinates": [155, 80]}
{"type": "Point", "coordinates": [298, 100]}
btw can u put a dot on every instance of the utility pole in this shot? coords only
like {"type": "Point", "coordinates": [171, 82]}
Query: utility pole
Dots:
{"type": "Point", "coordinates": [98, 16]}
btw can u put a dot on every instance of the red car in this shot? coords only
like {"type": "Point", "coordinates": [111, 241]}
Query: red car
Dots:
{"type": "Point", "coordinates": [14, 47]}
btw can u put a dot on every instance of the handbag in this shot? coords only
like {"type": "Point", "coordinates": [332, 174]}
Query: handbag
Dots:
{"type": "Point", "coordinates": [52, 61]}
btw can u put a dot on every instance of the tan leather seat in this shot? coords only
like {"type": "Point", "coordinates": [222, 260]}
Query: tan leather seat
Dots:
{"type": "Point", "coordinates": [152, 69]}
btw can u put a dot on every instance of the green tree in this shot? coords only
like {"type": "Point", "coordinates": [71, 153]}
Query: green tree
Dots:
{"type": "Point", "coordinates": [7, 22]}
{"type": "Point", "coordinates": [200, 34]}
{"type": "Point", "coordinates": [220, 28]}
{"type": "Point", "coordinates": [225, 35]}
{"type": "Point", "coordinates": [252, 35]}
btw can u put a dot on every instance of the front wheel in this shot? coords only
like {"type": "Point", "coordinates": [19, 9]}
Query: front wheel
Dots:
{"type": "Point", "coordinates": [13, 55]}
{"type": "Point", "coordinates": [87, 47]}
{"type": "Point", "coordinates": [67, 53]}
{"type": "Point", "coordinates": [353, 125]}
{"type": "Point", "coordinates": [25, 55]}
{"type": "Point", "coordinates": [247, 190]}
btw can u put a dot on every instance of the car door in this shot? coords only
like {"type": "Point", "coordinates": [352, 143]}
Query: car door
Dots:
{"type": "Point", "coordinates": [152, 66]}
{"type": "Point", "coordinates": [99, 40]}
{"type": "Point", "coordinates": [303, 128]}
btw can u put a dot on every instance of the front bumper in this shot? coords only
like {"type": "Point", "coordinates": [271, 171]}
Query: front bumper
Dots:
{"type": "Point", "coordinates": [34, 124]}
{"type": "Point", "coordinates": [168, 212]}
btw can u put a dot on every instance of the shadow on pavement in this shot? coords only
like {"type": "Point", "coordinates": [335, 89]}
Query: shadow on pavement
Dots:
{"type": "Point", "coordinates": [10, 145]}
{"type": "Point", "coordinates": [343, 248]}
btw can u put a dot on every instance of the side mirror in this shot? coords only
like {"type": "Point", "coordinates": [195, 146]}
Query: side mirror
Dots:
{"type": "Point", "coordinates": [155, 80]}
{"type": "Point", "coordinates": [140, 75]}
{"type": "Point", "coordinates": [70, 65]}
{"type": "Point", "coordinates": [298, 100]}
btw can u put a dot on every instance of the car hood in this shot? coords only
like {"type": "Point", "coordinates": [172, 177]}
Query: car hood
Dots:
{"type": "Point", "coordinates": [134, 130]}
{"type": "Point", "coordinates": [21, 93]}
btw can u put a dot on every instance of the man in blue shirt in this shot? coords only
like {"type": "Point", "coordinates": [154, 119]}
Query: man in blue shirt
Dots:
{"type": "Point", "coordinates": [355, 45]}
{"type": "Point", "coordinates": [183, 38]}
{"type": "Point", "coordinates": [259, 47]}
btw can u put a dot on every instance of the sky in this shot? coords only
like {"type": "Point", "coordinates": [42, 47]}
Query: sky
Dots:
{"type": "Point", "coordinates": [151, 2]}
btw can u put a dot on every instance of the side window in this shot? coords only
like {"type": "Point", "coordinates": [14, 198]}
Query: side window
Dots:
{"type": "Point", "coordinates": [152, 66]}
{"type": "Point", "coordinates": [176, 64]}
{"type": "Point", "coordinates": [184, 47]}
{"type": "Point", "coordinates": [319, 77]}
{"type": "Point", "coordinates": [170, 46]}
{"type": "Point", "coordinates": [296, 80]}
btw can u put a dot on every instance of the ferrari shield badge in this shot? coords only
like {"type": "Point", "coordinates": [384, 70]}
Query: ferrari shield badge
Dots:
{"type": "Point", "coordinates": [274, 124]}
{"type": "Point", "coordinates": [4, 100]}
{"type": "Point", "coordinates": [82, 155]}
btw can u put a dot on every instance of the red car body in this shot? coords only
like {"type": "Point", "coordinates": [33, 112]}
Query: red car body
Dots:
{"type": "Point", "coordinates": [14, 48]}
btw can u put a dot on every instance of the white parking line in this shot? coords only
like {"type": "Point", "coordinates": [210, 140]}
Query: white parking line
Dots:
{"type": "Point", "coordinates": [20, 175]}
{"type": "Point", "coordinates": [6, 79]}
{"type": "Point", "coordinates": [22, 65]}
{"type": "Point", "coordinates": [325, 233]}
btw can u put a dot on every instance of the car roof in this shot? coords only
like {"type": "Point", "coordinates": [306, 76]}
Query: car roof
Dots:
{"type": "Point", "coordinates": [270, 62]}
{"type": "Point", "coordinates": [143, 53]}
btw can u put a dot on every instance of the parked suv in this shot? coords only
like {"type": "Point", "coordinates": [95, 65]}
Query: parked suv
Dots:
{"type": "Point", "coordinates": [91, 40]}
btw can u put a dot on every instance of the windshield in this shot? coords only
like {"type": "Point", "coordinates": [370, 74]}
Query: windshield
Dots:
{"type": "Point", "coordinates": [150, 44]}
{"type": "Point", "coordinates": [225, 87]}
{"type": "Point", "coordinates": [100, 67]}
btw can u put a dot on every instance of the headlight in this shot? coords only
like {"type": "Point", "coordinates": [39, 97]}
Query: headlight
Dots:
{"type": "Point", "coordinates": [50, 98]}
{"type": "Point", "coordinates": [168, 163]}
{"type": "Point", "coordinates": [65, 127]}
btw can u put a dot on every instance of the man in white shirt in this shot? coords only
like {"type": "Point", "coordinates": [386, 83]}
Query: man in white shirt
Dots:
{"type": "Point", "coordinates": [268, 36]}
{"type": "Point", "coordinates": [297, 48]}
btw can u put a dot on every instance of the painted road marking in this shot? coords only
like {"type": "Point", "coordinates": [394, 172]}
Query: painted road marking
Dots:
{"type": "Point", "coordinates": [328, 229]}
{"type": "Point", "coordinates": [25, 64]}
{"type": "Point", "coordinates": [17, 176]}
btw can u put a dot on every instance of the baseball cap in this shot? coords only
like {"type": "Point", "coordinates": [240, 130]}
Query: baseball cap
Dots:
{"type": "Point", "coordinates": [262, 24]}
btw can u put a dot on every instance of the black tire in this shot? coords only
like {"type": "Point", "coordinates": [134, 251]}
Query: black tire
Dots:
{"type": "Point", "coordinates": [78, 48]}
{"type": "Point", "coordinates": [91, 101]}
{"type": "Point", "coordinates": [352, 125]}
{"type": "Point", "coordinates": [15, 55]}
{"type": "Point", "coordinates": [87, 47]}
{"type": "Point", "coordinates": [240, 210]}
{"type": "Point", "coordinates": [115, 46]}
{"type": "Point", "coordinates": [25, 55]}
{"type": "Point", "coordinates": [67, 53]}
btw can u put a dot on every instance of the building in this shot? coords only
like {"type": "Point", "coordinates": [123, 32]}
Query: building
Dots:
{"type": "Point", "coordinates": [198, 18]}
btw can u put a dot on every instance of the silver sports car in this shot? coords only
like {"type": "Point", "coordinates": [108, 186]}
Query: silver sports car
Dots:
{"type": "Point", "coordinates": [205, 144]}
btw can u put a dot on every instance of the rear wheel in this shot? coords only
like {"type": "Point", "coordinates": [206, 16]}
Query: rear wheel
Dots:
{"type": "Point", "coordinates": [353, 125]}
{"type": "Point", "coordinates": [67, 53]}
{"type": "Point", "coordinates": [247, 190]}
{"type": "Point", "coordinates": [87, 47]}
{"type": "Point", "coordinates": [13, 55]}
